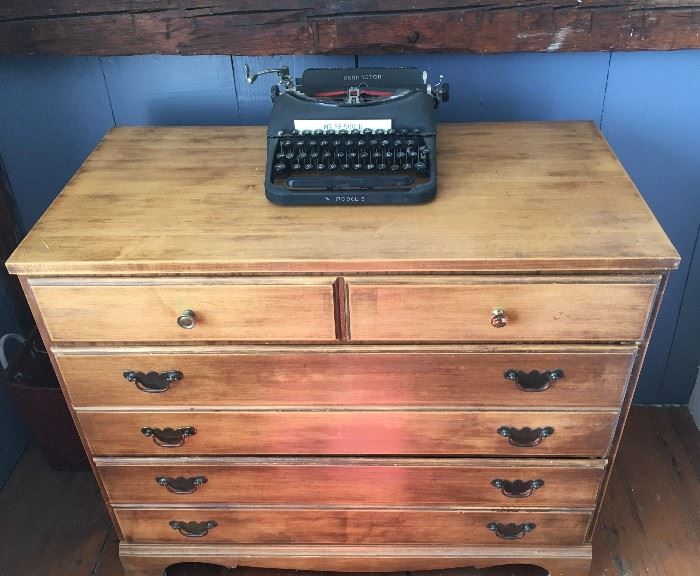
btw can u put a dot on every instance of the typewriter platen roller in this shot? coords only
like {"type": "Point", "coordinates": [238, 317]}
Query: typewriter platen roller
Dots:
{"type": "Point", "coordinates": [352, 136]}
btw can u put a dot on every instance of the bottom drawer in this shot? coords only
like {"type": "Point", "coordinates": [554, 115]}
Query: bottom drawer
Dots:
{"type": "Point", "coordinates": [352, 526]}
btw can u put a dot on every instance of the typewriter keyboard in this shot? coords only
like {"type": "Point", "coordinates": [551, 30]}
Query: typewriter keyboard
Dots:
{"type": "Point", "coordinates": [403, 154]}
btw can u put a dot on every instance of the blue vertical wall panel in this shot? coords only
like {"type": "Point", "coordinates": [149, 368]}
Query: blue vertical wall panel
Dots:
{"type": "Point", "coordinates": [652, 121]}
{"type": "Point", "coordinates": [684, 359]}
{"type": "Point", "coordinates": [543, 86]}
{"type": "Point", "coordinates": [53, 111]}
{"type": "Point", "coordinates": [171, 90]}
{"type": "Point", "coordinates": [254, 102]}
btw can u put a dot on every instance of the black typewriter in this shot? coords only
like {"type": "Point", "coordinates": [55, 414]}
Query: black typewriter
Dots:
{"type": "Point", "coordinates": [352, 136]}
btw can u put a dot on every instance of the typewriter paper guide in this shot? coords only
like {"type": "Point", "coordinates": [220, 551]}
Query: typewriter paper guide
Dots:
{"type": "Point", "coordinates": [330, 124]}
{"type": "Point", "coordinates": [190, 200]}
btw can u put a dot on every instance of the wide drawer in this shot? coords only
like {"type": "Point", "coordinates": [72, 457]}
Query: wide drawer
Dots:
{"type": "Point", "coordinates": [278, 525]}
{"type": "Point", "coordinates": [351, 432]}
{"type": "Point", "coordinates": [472, 482]}
{"type": "Point", "coordinates": [148, 310]}
{"type": "Point", "coordinates": [452, 376]}
{"type": "Point", "coordinates": [509, 309]}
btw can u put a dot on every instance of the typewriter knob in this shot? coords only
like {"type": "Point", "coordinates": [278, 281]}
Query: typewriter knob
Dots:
{"type": "Point", "coordinates": [498, 318]}
{"type": "Point", "coordinates": [187, 319]}
{"type": "Point", "coordinates": [444, 92]}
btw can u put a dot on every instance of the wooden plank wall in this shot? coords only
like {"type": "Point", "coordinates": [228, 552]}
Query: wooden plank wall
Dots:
{"type": "Point", "coordinates": [259, 27]}
{"type": "Point", "coordinates": [55, 109]}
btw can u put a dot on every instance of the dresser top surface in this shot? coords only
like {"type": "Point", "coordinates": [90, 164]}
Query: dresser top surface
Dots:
{"type": "Point", "coordinates": [511, 197]}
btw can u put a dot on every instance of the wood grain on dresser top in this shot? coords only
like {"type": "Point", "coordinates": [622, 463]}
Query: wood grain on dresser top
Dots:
{"type": "Point", "coordinates": [512, 197]}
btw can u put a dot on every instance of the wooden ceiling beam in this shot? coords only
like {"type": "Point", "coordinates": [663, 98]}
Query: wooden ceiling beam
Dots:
{"type": "Point", "coordinates": [265, 27]}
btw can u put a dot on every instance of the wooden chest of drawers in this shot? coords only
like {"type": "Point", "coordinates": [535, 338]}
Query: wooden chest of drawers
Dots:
{"type": "Point", "coordinates": [349, 388]}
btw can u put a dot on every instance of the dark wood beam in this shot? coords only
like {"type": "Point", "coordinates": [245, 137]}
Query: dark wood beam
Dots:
{"type": "Point", "coordinates": [263, 27]}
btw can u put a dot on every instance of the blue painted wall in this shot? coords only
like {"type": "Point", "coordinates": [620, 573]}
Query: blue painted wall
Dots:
{"type": "Point", "coordinates": [54, 110]}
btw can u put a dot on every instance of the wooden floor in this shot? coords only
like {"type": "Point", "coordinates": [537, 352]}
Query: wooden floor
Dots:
{"type": "Point", "coordinates": [54, 523]}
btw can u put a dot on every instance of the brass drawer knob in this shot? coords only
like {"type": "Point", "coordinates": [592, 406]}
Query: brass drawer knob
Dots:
{"type": "Point", "coordinates": [168, 437]}
{"type": "Point", "coordinates": [181, 485]}
{"type": "Point", "coordinates": [153, 381]}
{"type": "Point", "coordinates": [525, 437]}
{"type": "Point", "coordinates": [510, 531]}
{"type": "Point", "coordinates": [517, 488]}
{"type": "Point", "coordinates": [534, 381]}
{"type": "Point", "coordinates": [193, 529]}
{"type": "Point", "coordinates": [187, 319]}
{"type": "Point", "coordinates": [498, 318]}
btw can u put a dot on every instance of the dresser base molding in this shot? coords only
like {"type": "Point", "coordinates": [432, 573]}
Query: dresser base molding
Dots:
{"type": "Point", "coordinates": [153, 559]}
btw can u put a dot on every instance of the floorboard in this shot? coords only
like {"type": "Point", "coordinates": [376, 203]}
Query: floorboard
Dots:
{"type": "Point", "coordinates": [55, 524]}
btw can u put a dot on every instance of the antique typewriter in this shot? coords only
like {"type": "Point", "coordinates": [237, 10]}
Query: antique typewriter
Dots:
{"type": "Point", "coordinates": [352, 136]}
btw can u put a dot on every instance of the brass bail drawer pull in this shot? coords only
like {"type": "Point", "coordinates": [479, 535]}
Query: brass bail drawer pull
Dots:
{"type": "Point", "coordinates": [511, 531]}
{"type": "Point", "coordinates": [181, 485]}
{"type": "Point", "coordinates": [517, 488]}
{"type": "Point", "coordinates": [153, 381]}
{"type": "Point", "coordinates": [168, 437]}
{"type": "Point", "coordinates": [534, 381]}
{"type": "Point", "coordinates": [187, 319]}
{"type": "Point", "coordinates": [193, 529]}
{"type": "Point", "coordinates": [525, 437]}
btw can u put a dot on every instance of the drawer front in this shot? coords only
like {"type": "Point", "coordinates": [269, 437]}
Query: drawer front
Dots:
{"type": "Point", "coordinates": [289, 378]}
{"type": "Point", "coordinates": [354, 481]}
{"type": "Point", "coordinates": [352, 526]}
{"type": "Point", "coordinates": [346, 432]}
{"type": "Point", "coordinates": [149, 312]}
{"type": "Point", "coordinates": [536, 311]}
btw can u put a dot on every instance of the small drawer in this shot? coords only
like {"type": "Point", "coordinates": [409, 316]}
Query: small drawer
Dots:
{"type": "Point", "coordinates": [353, 481]}
{"type": "Point", "coordinates": [167, 311]}
{"type": "Point", "coordinates": [348, 432]}
{"type": "Point", "coordinates": [449, 376]}
{"type": "Point", "coordinates": [280, 525]}
{"type": "Point", "coordinates": [507, 309]}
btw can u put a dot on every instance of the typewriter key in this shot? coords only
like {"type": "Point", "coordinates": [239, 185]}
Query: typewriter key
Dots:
{"type": "Point", "coordinates": [345, 166]}
{"type": "Point", "coordinates": [381, 166]}
{"type": "Point", "coordinates": [420, 166]}
{"type": "Point", "coordinates": [394, 167]}
{"type": "Point", "coordinates": [406, 166]}
{"type": "Point", "coordinates": [296, 166]}
{"type": "Point", "coordinates": [370, 166]}
{"type": "Point", "coordinates": [332, 166]}
{"type": "Point", "coordinates": [281, 167]}
{"type": "Point", "coordinates": [367, 131]}
{"type": "Point", "coordinates": [354, 131]}
{"type": "Point", "coordinates": [357, 166]}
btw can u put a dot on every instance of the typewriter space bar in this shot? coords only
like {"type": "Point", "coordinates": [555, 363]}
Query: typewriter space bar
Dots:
{"type": "Point", "coordinates": [347, 184]}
